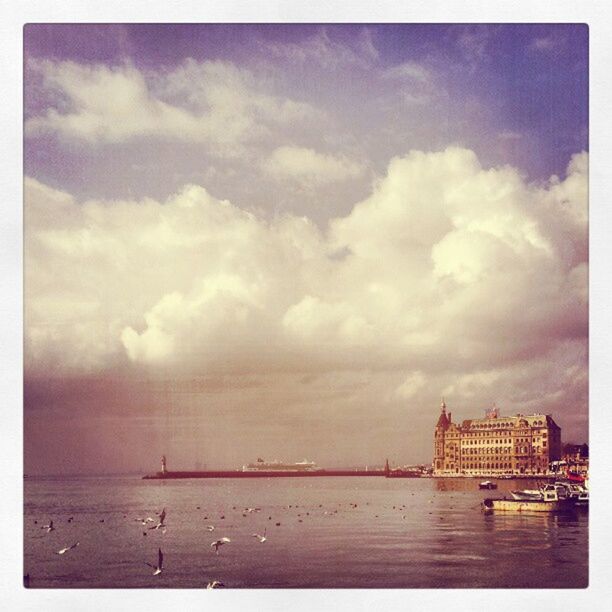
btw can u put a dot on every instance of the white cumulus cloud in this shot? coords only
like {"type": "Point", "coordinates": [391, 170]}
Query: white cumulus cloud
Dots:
{"type": "Point", "coordinates": [211, 102]}
{"type": "Point", "coordinates": [446, 270]}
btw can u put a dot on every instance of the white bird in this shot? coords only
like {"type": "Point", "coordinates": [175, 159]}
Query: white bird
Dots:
{"type": "Point", "coordinates": [160, 562]}
{"type": "Point", "coordinates": [210, 527]}
{"type": "Point", "coordinates": [65, 550]}
{"type": "Point", "coordinates": [215, 584]}
{"type": "Point", "coordinates": [158, 526]}
{"type": "Point", "coordinates": [218, 543]}
{"type": "Point", "coordinates": [49, 527]}
{"type": "Point", "coordinates": [261, 538]}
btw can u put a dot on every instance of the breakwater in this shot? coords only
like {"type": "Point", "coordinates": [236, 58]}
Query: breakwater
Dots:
{"type": "Point", "coordinates": [261, 474]}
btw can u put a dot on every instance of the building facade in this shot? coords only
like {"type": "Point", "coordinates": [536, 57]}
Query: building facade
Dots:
{"type": "Point", "coordinates": [495, 445]}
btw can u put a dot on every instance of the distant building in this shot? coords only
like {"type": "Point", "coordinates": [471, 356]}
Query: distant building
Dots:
{"type": "Point", "coordinates": [495, 445]}
{"type": "Point", "coordinates": [575, 452]}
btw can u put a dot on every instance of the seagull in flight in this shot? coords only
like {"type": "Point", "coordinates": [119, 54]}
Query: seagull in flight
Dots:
{"type": "Point", "coordinates": [161, 524]}
{"type": "Point", "coordinates": [261, 538]}
{"type": "Point", "coordinates": [49, 527]}
{"type": "Point", "coordinates": [215, 584]}
{"type": "Point", "coordinates": [158, 526]}
{"type": "Point", "coordinates": [210, 527]}
{"type": "Point", "coordinates": [65, 550]}
{"type": "Point", "coordinates": [218, 543]}
{"type": "Point", "coordinates": [160, 562]}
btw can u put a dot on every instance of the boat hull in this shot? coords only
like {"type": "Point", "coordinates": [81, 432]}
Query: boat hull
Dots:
{"type": "Point", "coordinates": [526, 505]}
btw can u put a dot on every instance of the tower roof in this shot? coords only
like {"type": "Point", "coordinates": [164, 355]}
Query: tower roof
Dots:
{"type": "Point", "coordinates": [443, 421]}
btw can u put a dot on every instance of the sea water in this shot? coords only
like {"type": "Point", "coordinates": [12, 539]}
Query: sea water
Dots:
{"type": "Point", "coordinates": [322, 532]}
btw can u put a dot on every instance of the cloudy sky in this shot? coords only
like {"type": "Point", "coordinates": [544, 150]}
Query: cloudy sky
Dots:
{"type": "Point", "coordinates": [290, 241]}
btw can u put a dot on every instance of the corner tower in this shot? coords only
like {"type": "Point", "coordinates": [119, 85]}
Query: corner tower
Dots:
{"type": "Point", "coordinates": [439, 433]}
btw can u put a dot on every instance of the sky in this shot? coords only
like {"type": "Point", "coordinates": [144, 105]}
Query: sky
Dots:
{"type": "Point", "coordinates": [291, 241]}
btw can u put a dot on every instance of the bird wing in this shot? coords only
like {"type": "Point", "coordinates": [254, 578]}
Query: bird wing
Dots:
{"type": "Point", "coordinates": [160, 557]}
{"type": "Point", "coordinates": [162, 516]}
{"type": "Point", "coordinates": [225, 540]}
{"type": "Point", "coordinates": [150, 565]}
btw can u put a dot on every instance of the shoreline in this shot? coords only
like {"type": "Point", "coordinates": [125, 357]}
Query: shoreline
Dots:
{"type": "Point", "coordinates": [324, 473]}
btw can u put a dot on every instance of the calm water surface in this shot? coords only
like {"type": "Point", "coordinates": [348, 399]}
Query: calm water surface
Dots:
{"type": "Point", "coordinates": [404, 533]}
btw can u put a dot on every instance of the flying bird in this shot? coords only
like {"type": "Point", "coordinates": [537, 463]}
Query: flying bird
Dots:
{"type": "Point", "coordinates": [261, 538]}
{"type": "Point", "coordinates": [160, 562]}
{"type": "Point", "coordinates": [65, 550]}
{"type": "Point", "coordinates": [218, 543]}
{"type": "Point", "coordinates": [158, 526]}
{"type": "Point", "coordinates": [49, 527]}
{"type": "Point", "coordinates": [161, 524]}
{"type": "Point", "coordinates": [210, 527]}
{"type": "Point", "coordinates": [215, 584]}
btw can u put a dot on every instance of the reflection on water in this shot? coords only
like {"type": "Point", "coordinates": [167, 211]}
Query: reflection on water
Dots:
{"type": "Point", "coordinates": [322, 532]}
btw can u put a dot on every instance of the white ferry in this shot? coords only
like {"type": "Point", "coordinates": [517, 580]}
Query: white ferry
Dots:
{"type": "Point", "coordinates": [278, 466]}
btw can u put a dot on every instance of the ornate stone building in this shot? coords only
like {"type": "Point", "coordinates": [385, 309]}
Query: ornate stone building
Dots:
{"type": "Point", "coordinates": [495, 445]}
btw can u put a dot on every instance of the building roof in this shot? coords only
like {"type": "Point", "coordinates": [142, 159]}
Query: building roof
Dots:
{"type": "Point", "coordinates": [442, 420]}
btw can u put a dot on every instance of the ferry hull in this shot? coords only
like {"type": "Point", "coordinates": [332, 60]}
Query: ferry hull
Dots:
{"type": "Point", "coordinates": [526, 505]}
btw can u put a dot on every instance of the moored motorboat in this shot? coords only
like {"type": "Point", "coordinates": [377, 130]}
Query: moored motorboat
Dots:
{"type": "Point", "coordinates": [550, 502]}
{"type": "Point", "coordinates": [582, 499]}
{"type": "Point", "coordinates": [487, 484]}
{"type": "Point", "coordinates": [572, 491]}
